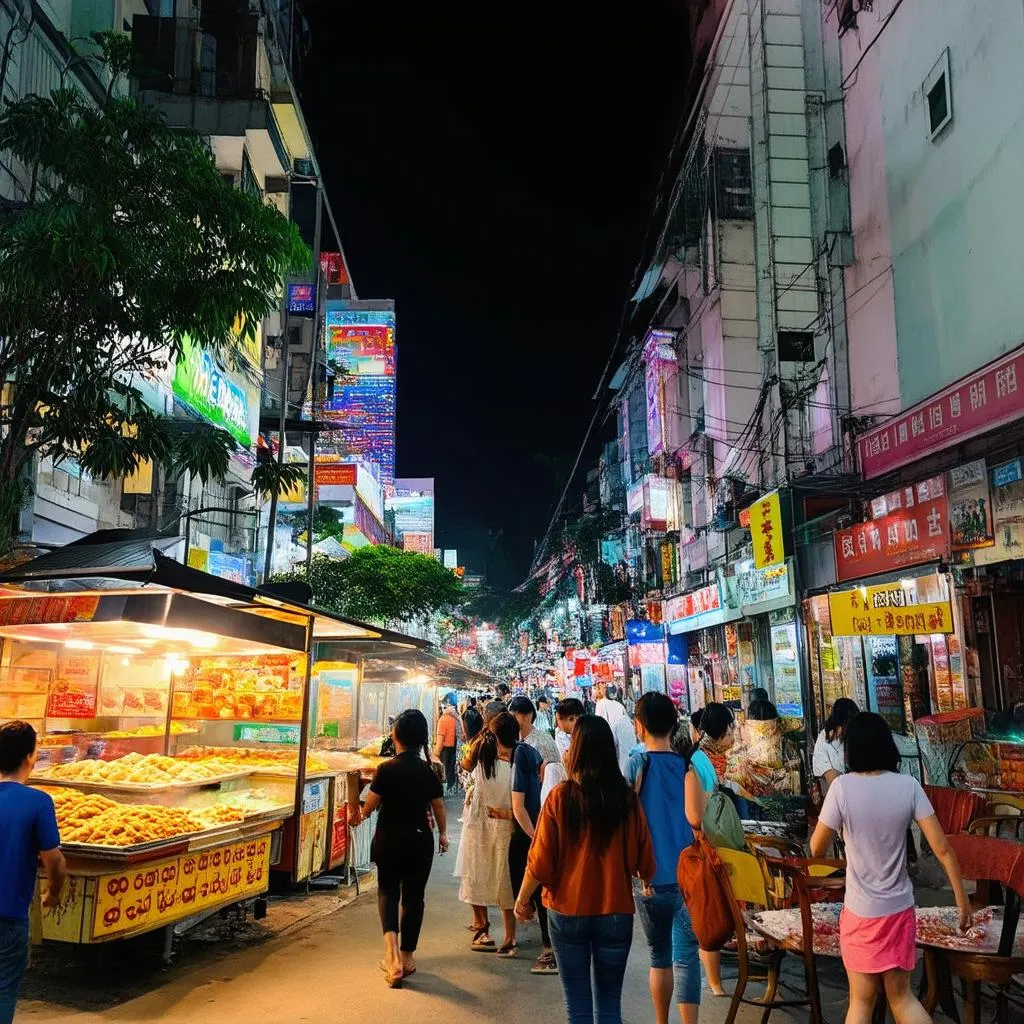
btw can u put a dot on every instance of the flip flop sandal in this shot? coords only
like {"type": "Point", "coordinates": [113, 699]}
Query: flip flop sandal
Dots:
{"type": "Point", "coordinates": [482, 942]}
{"type": "Point", "coordinates": [508, 951]}
{"type": "Point", "coordinates": [392, 980]}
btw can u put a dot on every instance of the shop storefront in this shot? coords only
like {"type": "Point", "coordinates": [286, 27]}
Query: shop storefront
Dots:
{"type": "Point", "coordinates": [740, 633]}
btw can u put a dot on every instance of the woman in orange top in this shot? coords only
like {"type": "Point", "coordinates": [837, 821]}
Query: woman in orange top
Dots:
{"type": "Point", "coordinates": [591, 841]}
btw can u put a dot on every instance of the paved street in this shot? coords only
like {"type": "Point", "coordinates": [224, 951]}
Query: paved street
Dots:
{"type": "Point", "coordinates": [326, 970]}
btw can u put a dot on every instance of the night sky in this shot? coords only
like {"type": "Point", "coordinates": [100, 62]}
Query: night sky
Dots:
{"type": "Point", "coordinates": [493, 172]}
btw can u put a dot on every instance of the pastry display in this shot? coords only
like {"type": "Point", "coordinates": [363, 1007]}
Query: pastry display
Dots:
{"type": "Point", "coordinates": [266, 688]}
{"type": "Point", "coordinates": [248, 757]}
{"type": "Point", "coordinates": [145, 769]}
{"type": "Point", "coordinates": [177, 729]}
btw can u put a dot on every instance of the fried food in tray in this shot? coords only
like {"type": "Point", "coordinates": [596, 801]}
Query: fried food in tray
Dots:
{"type": "Point", "coordinates": [88, 818]}
{"type": "Point", "coordinates": [142, 769]}
{"type": "Point", "coordinates": [241, 758]}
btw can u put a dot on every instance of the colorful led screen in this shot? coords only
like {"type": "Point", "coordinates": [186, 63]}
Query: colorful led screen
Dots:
{"type": "Point", "coordinates": [361, 351]}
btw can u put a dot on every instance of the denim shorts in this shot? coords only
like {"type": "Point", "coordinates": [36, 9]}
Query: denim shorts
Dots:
{"type": "Point", "coordinates": [669, 933]}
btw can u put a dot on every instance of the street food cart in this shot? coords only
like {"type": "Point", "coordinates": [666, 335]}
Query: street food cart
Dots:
{"type": "Point", "coordinates": [175, 712]}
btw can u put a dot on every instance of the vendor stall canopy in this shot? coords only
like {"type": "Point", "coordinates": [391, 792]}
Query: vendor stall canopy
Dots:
{"type": "Point", "coordinates": [144, 602]}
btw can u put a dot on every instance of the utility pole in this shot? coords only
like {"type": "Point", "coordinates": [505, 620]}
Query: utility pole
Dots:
{"type": "Point", "coordinates": [283, 365]}
{"type": "Point", "coordinates": [314, 378]}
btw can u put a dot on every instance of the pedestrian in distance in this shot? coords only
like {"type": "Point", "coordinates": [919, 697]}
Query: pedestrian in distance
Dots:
{"type": "Point", "coordinates": [522, 709]}
{"type": "Point", "coordinates": [446, 745]}
{"type": "Point", "coordinates": [761, 708]}
{"type": "Point", "coordinates": [566, 713]}
{"type": "Point", "coordinates": [403, 789]}
{"type": "Point", "coordinates": [829, 759]}
{"type": "Point", "coordinates": [486, 836]}
{"type": "Point", "coordinates": [873, 806]}
{"type": "Point", "coordinates": [504, 693]}
{"type": "Point", "coordinates": [28, 836]}
{"type": "Point", "coordinates": [591, 840]}
{"type": "Point", "coordinates": [670, 794]}
{"type": "Point", "coordinates": [544, 713]}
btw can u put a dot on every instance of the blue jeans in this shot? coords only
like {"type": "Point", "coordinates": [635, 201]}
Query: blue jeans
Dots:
{"type": "Point", "coordinates": [13, 961]}
{"type": "Point", "coordinates": [603, 940]}
{"type": "Point", "coordinates": [665, 920]}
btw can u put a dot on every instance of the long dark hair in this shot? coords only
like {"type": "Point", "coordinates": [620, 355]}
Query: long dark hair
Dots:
{"type": "Point", "coordinates": [473, 723]}
{"type": "Point", "coordinates": [843, 712]}
{"type": "Point", "coordinates": [504, 729]}
{"type": "Point", "coordinates": [598, 799]}
{"type": "Point", "coordinates": [410, 729]}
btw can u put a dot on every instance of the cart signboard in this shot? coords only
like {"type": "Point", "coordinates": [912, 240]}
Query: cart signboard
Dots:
{"type": "Point", "coordinates": [160, 892]}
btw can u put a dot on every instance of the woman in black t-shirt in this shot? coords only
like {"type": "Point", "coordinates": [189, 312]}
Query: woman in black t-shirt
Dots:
{"type": "Point", "coordinates": [403, 843]}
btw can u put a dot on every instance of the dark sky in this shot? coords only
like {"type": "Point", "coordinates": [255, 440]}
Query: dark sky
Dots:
{"type": "Point", "coordinates": [492, 170]}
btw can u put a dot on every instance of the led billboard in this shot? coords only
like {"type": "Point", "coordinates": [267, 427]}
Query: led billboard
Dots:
{"type": "Point", "coordinates": [362, 353]}
{"type": "Point", "coordinates": [413, 507]}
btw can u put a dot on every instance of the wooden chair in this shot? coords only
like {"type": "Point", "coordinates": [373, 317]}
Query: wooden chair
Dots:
{"type": "Point", "coordinates": [984, 859]}
{"type": "Point", "coordinates": [999, 826]}
{"type": "Point", "coordinates": [747, 885]}
{"type": "Point", "coordinates": [1005, 803]}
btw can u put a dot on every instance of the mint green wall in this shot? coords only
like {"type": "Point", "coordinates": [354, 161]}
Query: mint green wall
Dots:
{"type": "Point", "coordinates": [956, 204]}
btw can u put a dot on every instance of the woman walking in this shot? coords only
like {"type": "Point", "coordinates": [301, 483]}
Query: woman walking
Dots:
{"type": "Point", "coordinates": [829, 759]}
{"type": "Point", "coordinates": [404, 788]}
{"type": "Point", "coordinates": [591, 841]}
{"type": "Point", "coordinates": [873, 806]}
{"type": "Point", "coordinates": [486, 834]}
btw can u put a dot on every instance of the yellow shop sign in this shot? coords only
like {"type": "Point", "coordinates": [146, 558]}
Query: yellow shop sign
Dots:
{"type": "Point", "coordinates": [887, 610]}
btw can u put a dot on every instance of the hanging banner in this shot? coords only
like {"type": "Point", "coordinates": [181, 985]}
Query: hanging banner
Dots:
{"type": "Point", "coordinates": [890, 610]}
{"type": "Point", "coordinates": [766, 530]}
{"type": "Point", "coordinates": [909, 536]}
{"type": "Point", "coordinates": [970, 507]}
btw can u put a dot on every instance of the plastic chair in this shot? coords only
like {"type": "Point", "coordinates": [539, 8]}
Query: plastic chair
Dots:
{"type": "Point", "coordinates": [984, 859]}
{"type": "Point", "coordinates": [747, 885]}
{"type": "Point", "coordinates": [955, 808]}
{"type": "Point", "coordinates": [999, 826]}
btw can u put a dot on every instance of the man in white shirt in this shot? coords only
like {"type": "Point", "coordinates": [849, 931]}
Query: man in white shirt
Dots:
{"type": "Point", "coordinates": [609, 708]}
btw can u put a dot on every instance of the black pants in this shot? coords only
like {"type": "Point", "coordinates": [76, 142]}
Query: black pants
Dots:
{"type": "Point", "coordinates": [448, 760]}
{"type": "Point", "coordinates": [518, 851]}
{"type": "Point", "coordinates": [402, 872]}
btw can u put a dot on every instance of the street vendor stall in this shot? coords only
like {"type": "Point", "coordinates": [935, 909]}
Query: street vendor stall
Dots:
{"type": "Point", "coordinates": [174, 716]}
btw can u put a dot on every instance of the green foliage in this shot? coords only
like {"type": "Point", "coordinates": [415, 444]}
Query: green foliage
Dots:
{"type": "Point", "coordinates": [269, 478]}
{"type": "Point", "coordinates": [381, 584]}
{"type": "Point", "coordinates": [126, 242]}
{"type": "Point", "coordinates": [507, 610]}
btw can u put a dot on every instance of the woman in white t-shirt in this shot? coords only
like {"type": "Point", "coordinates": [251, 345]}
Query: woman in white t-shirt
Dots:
{"type": "Point", "coordinates": [829, 760]}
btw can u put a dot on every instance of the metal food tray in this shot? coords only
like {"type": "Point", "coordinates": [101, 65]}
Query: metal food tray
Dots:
{"type": "Point", "coordinates": [139, 787]}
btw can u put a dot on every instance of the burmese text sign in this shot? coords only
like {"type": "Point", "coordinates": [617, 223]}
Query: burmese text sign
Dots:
{"type": "Point", "coordinates": [889, 610]}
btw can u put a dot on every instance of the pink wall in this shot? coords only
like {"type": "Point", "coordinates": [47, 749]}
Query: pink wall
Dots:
{"type": "Point", "coordinates": [870, 310]}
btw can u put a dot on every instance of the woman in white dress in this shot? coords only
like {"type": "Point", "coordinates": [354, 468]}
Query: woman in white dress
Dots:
{"type": "Point", "coordinates": [487, 829]}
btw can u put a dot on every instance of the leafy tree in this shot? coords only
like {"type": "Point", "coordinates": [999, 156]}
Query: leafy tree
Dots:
{"type": "Point", "coordinates": [126, 244]}
{"type": "Point", "coordinates": [381, 584]}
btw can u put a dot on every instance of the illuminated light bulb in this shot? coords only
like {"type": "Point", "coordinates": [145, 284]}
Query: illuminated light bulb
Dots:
{"type": "Point", "coordinates": [79, 645]}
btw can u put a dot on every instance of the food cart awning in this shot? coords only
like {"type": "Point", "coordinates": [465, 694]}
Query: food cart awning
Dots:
{"type": "Point", "coordinates": [129, 565]}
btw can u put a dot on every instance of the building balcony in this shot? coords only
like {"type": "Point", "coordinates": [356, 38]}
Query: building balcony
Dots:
{"type": "Point", "coordinates": [214, 77]}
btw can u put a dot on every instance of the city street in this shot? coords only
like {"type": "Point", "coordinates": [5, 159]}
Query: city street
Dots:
{"type": "Point", "coordinates": [326, 970]}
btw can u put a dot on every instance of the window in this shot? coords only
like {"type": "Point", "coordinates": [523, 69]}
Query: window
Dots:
{"type": "Point", "coordinates": [938, 98]}
{"type": "Point", "coordinates": [732, 177]}
{"type": "Point", "coordinates": [248, 180]}
{"type": "Point", "coordinates": [796, 347]}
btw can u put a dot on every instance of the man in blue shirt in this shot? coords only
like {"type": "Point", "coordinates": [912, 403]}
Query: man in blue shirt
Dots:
{"type": "Point", "coordinates": [670, 793]}
{"type": "Point", "coordinates": [28, 834]}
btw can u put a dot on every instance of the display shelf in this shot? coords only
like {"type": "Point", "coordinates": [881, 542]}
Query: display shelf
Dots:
{"type": "Point", "coordinates": [46, 779]}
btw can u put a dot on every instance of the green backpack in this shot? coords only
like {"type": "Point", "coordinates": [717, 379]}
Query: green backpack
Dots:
{"type": "Point", "coordinates": [722, 824]}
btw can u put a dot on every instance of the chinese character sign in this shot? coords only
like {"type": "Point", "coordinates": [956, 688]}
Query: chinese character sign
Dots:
{"type": "Point", "coordinates": [766, 530]}
{"type": "Point", "coordinates": [907, 536]}
{"type": "Point", "coordinates": [987, 399]}
{"type": "Point", "coordinates": [887, 610]}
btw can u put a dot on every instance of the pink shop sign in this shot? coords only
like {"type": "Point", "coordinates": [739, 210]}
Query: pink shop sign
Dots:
{"type": "Point", "coordinates": [989, 398]}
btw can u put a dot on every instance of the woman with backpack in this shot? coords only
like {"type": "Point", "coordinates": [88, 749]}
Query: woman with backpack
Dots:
{"type": "Point", "coordinates": [715, 725]}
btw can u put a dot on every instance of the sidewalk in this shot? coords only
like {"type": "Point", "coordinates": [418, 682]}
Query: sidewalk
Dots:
{"type": "Point", "coordinates": [323, 968]}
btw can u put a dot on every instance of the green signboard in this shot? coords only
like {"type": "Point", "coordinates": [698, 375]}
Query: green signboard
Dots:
{"type": "Point", "coordinates": [266, 734]}
{"type": "Point", "coordinates": [201, 384]}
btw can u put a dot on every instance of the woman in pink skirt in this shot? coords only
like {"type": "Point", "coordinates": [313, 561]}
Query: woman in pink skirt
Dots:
{"type": "Point", "coordinates": [873, 806]}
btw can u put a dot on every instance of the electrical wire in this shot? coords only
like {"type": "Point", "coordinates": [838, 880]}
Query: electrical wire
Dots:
{"type": "Point", "coordinates": [874, 39]}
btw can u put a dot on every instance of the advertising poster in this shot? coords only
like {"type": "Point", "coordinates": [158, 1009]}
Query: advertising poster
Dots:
{"type": "Point", "coordinates": [788, 698]}
{"type": "Point", "coordinates": [970, 507]}
{"type": "Point", "coordinates": [74, 686]}
{"type": "Point", "coordinates": [943, 678]}
{"type": "Point", "coordinates": [1007, 514]}
{"type": "Point", "coordinates": [884, 691]}
{"type": "Point", "coordinates": [336, 687]}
